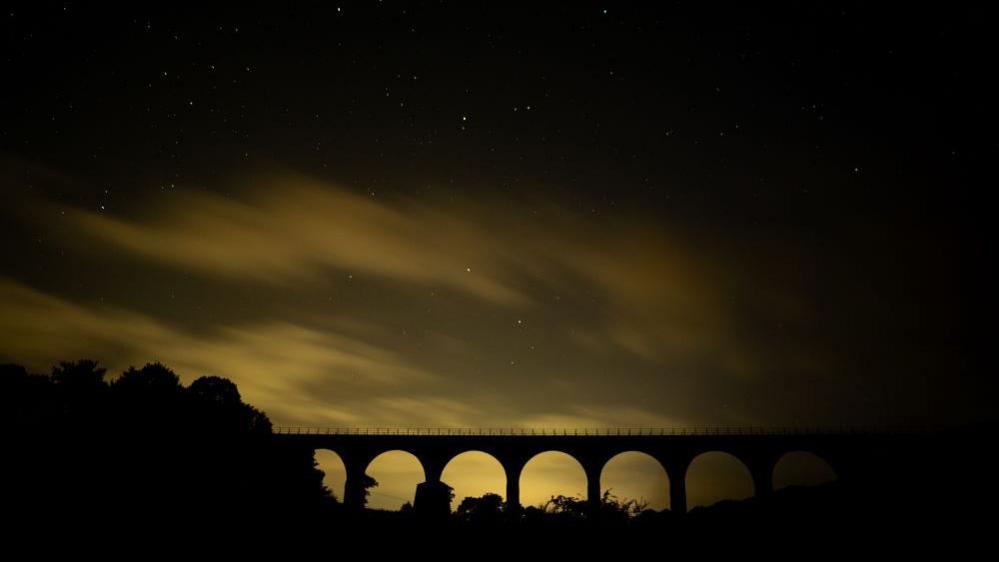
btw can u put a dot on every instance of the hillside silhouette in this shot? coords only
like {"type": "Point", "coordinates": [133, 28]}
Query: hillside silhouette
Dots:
{"type": "Point", "coordinates": [146, 455]}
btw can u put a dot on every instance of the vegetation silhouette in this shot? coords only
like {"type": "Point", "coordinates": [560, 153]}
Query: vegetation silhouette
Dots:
{"type": "Point", "coordinates": [145, 453]}
{"type": "Point", "coordinates": [487, 509]}
{"type": "Point", "coordinates": [144, 445]}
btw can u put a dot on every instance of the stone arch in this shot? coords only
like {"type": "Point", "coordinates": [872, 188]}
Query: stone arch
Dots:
{"type": "Point", "coordinates": [551, 467]}
{"type": "Point", "coordinates": [714, 476]}
{"type": "Point", "coordinates": [643, 475]}
{"type": "Point", "coordinates": [802, 468]}
{"type": "Point", "coordinates": [334, 470]}
{"type": "Point", "coordinates": [473, 479]}
{"type": "Point", "coordinates": [397, 478]}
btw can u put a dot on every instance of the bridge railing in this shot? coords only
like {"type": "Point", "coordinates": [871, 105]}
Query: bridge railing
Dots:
{"type": "Point", "coordinates": [592, 431]}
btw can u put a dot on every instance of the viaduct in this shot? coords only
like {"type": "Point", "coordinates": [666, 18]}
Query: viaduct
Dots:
{"type": "Point", "coordinates": [849, 452]}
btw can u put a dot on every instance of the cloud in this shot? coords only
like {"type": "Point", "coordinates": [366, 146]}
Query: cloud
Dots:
{"type": "Point", "coordinates": [485, 312]}
{"type": "Point", "coordinates": [295, 229]}
{"type": "Point", "coordinates": [648, 295]}
{"type": "Point", "coordinates": [599, 416]}
{"type": "Point", "coordinates": [277, 365]}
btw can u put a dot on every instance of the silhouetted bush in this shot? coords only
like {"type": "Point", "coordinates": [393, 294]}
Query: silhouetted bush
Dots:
{"type": "Point", "coordinates": [142, 448]}
{"type": "Point", "coordinates": [488, 510]}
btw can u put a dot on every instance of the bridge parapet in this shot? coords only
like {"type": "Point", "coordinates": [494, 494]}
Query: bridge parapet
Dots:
{"type": "Point", "coordinates": [596, 431]}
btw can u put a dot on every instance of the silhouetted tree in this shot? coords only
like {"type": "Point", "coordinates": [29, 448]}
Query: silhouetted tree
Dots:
{"type": "Point", "coordinates": [215, 389]}
{"type": "Point", "coordinates": [367, 484]}
{"type": "Point", "coordinates": [79, 376]}
{"type": "Point", "coordinates": [26, 400]}
{"type": "Point", "coordinates": [146, 449]}
{"type": "Point", "coordinates": [153, 379]}
{"type": "Point", "coordinates": [612, 509]}
{"type": "Point", "coordinates": [486, 509]}
{"type": "Point", "coordinates": [565, 508]}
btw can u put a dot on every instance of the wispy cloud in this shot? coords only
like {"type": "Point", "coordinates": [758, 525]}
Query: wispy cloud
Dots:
{"type": "Point", "coordinates": [652, 297]}
{"type": "Point", "coordinates": [296, 229]}
{"type": "Point", "coordinates": [276, 365]}
{"type": "Point", "coordinates": [473, 313]}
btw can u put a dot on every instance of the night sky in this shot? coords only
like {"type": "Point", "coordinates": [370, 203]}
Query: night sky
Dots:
{"type": "Point", "coordinates": [516, 215]}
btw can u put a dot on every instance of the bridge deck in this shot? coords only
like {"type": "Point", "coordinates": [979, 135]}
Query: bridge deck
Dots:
{"type": "Point", "coordinates": [705, 430]}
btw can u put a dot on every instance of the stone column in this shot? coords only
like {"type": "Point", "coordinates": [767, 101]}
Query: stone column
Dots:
{"type": "Point", "coordinates": [353, 488]}
{"type": "Point", "coordinates": [432, 499]}
{"type": "Point", "coordinates": [762, 471]}
{"type": "Point", "coordinates": [513, 470]}
{"type": "Point", "coordinates": [678, 492]}
{"type": "Point", "coordinates": [593, 470]}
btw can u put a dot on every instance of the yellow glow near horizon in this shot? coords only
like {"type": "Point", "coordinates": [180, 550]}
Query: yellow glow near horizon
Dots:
{"type": "Point", "coordinates": [474, 474]}
{"type": "Point", "coordinates": [548, 474]}
{"type": "Point", "coordinates": [397, 473]}
{"type": "Point", "coordinates": [712, 477]}
{"type": "Point", "coordinates": [638, 476]}
{"type": "Point", "coordinates": [716, 476]}
{"type": "Point", "coordinates": [334, 471]}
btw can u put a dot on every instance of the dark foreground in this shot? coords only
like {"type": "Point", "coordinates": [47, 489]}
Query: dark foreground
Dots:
{"type": "Point", "coordinates": [145, 466]}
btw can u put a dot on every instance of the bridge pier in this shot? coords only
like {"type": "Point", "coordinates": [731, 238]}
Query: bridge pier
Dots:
{"type": "Point", "coordinates": [678, 491]}
{"type": "Point", "coordinates": [433, 467]}
{"type": "Point", "coordinates": [676, 465]}
{"type": "Point", "coordinates": [761, 468]}
{"type": "Point", "coordinates": [353, 488]}
{"type": "Point", "coordinates": [593, 470]}
{"type": "Point", "coordinates": [513, 470]}
{"type": "Point", "coordinates": [433, 497]}
{"type": "Point", "coordinates": [763, 481]}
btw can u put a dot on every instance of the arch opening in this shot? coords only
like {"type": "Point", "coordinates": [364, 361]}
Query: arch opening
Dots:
{"type": "Point", "coordinates": [473, 474]}
{"type": "Point", "coordinates": [716, 476]}
{"type": "Point", "coordinates": [397, 473]}
{"type": "Point", "coordinates": [633, 475]}
{"type": "Point", "coordinates": [551, 473]}
{"type": "Point", "coordinates": [802, 468]}
{"type": "Point", "coordinates": [334, 471]}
